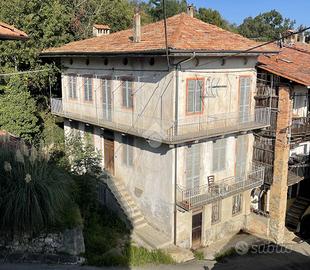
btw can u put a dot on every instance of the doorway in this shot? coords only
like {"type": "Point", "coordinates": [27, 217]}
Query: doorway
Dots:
{"type": "Point", "coordinates": [109, 153]}
{"type": "Point", "coordinates": [196, 230]}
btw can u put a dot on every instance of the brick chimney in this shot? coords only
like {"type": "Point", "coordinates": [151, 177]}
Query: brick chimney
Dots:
{"type": "Point", "coordinates": [100, 30]}
{"type": "Point", "coordinates": [137, 26]}
{"type": "Point", "coordinates": [190, 10]}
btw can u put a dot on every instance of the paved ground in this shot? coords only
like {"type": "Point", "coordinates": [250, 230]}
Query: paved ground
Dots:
{"type": "Point", "coordinates": [285, 261]}
{"type": "Point", "coordinates": [291, 256]}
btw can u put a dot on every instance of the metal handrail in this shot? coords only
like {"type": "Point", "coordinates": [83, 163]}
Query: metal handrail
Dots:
{"type": "Point", "coordinates": [168, 130]}
{"type": "Point", "coordinates": [189, 198]}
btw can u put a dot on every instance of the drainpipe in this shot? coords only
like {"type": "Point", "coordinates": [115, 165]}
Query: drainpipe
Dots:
{"type": "Point", "coordinates": [177, 69]}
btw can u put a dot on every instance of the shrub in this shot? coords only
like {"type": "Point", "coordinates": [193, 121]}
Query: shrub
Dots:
{"type": "Point", "coordinates": [33, 191]}
{"type": "Point", "coordinates": [198, 255]}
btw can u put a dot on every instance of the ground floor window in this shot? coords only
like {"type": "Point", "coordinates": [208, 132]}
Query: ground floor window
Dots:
{"type": "Point", "coordinates": [237, 204]}
{"type": "Point", "coordinates": [216, 212]}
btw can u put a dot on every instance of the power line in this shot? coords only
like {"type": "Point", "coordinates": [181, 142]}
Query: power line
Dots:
{"type": "Point", "coordinates": [166, 34]}
{"type": "Point", "coordinates": [24, 72]}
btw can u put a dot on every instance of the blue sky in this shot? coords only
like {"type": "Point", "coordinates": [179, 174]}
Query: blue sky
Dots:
{"type": "Point", "coordinates": [236, 10]}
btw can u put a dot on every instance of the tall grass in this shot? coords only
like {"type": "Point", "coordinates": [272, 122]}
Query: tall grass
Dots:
{"type": "Point", "coordinates": [33, 192]}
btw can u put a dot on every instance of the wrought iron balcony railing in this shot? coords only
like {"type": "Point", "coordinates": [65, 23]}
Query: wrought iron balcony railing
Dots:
{"type": "Point", "coordinates": [205, 194]}
{"type": "Point", "coordinates": [164, 130]}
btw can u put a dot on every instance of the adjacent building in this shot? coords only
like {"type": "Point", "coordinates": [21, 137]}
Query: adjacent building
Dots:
{"type": "Point", "coordinates": [283, 149]}
{"type": "Point", "coordinates": [9, 32]}
{"type": "Point", "coordinates": [174, 124]}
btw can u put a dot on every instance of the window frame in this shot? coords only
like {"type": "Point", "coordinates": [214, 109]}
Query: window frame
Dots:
{"type": "Point", "coordinates": [196, 172]}
{"type": "Point", "coordinates": [239, 210]}
{"type": "Point", "coordinates": [219, 148]}
{"type": "Point", "coordinates": [219, 209]}
{"type": "Point", "coordinates": [125, 80]}
{"type": "Point", "coordinates": [69, 83]}
{"type": "Point", "coordinates": [202, 90]}
{"type": "Point", "coordinates": [127, 151]}
{"type": "Point", "coordinates": [88, 77]}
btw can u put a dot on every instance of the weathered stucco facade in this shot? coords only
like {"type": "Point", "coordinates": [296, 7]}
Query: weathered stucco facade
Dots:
{"type": "Point", "coordinates": [157, 168]}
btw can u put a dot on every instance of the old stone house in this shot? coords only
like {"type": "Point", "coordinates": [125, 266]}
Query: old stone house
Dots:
{"type": "Point", "coordinates": [283, 149]}
{"type": "Point", "coordinates": [175, 132]}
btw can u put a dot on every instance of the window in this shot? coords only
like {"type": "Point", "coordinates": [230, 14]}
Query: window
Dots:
{"type": "Point", "coordinates": [194, 95]}
{"type": "Point", "coordinates": [237, 204]}
{"type": "Point", "coordinates": [72, 86]}
{"type": "Point", "coordinates": [241, 156]}
{"type": "Point", "coordinates": [193, 166]}
{"type": "Point", "coordinates": [244, 99]}
{"type": "Point", "coordinates": [216, 212]}
{"type": "Point", "coordinates": [88, 89]}
{"type": "Point", "coordinates": [127, 86]}
{"type": "Point", "coordinates": [219, 155]}
{"type": "Point", "coordinates": [106, 98]}
{"type": "Point", "coordinates": [127, 150]}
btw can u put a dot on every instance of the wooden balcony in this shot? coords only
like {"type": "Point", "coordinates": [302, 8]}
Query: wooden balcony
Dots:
{"type": "Point", "coordinates": [166, 131]}
{"type": "Point", "coordinates": [298, 169]}
{"type": "Point", "coordinates": [199, 196]}
{"type": "Point", "coordinates": [300, 128]}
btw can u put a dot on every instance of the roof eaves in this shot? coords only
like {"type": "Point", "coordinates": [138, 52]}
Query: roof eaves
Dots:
{"type": "Point", "coordinates": [284, 75]}
{"type": "Point", "coordinates": [105, 54]}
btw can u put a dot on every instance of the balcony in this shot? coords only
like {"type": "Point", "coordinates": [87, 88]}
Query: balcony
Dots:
{"type": "Point", "coordinates": [163, 130]}
{"type": "Point", "coordinates": [298, 169]}
{"type": "Point", "coordinates": [202, 195]}
{"type": "Point", "coordinates": [300, 127]}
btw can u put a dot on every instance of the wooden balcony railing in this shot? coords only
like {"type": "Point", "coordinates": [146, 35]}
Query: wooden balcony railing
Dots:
{"type": "Point", "coordinates": [300, 126]}
{"type": "Point", "coordinates": [205, 194]}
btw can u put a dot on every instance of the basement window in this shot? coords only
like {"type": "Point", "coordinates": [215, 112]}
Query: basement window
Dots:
{"type": "Point", "coordinates": [216, 212]}
{"type": "Point", "coordinates": [237, 204]}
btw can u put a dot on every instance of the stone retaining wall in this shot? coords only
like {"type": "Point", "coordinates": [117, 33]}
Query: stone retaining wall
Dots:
{"type": "Point", "coordinates": [59, 247]}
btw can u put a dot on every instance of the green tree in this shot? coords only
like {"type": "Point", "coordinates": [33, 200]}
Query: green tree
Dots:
{"type": "Point", "coordinates": [173, 7]}
{"type": "Point", "coordinates": [211, 16]}
{"type": "Point", "coordinates": [266, 26]}
{"type": "Point", "coordinates": [18, 112]}
{"type": "Point", "coordinates": [83, 156]}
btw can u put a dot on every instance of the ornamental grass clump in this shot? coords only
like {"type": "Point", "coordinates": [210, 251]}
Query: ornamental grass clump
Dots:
{"type": "Point", "coordinates": [33, 191]}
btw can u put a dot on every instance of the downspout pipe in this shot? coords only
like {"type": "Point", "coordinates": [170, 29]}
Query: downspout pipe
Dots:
{"type": "Point", "coordinates": [177, 69]}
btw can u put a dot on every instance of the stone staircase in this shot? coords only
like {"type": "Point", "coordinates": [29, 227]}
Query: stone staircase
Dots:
{"type": "Point", "coordinates": [296, 211]}
{"type": "Point", "coordinates": [143, 233]}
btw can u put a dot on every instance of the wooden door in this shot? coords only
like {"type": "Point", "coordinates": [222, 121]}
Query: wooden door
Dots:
{"type": "Point", "coordinates": [109, 155]}
{"type": "Point", "coordinates": [196, 230]}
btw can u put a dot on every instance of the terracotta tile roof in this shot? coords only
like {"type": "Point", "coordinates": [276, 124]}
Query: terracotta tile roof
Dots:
{"type": "Point", "coordinates": [102, 26]}
{"type": "Point", "coordinates": [293, 63]}
{"type": "Point", "coordinates": [184, 34]}
{"type": "Point", "coordinates": [8, 32]}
